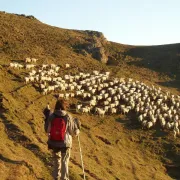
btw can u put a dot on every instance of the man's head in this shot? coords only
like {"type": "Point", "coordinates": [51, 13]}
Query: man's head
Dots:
{"type": "Point", "coordinates": [61, 104]}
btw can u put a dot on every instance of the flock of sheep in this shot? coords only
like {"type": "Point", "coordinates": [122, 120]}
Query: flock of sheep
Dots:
{"type": "Point", "coordinates": [101, 94]}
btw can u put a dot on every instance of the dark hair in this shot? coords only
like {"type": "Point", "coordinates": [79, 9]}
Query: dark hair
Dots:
{"type": "Point", "coordinates": [61, 104]}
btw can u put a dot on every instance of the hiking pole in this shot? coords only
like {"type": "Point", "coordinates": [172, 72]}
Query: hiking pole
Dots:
{"type": "Point", "coordinates": [81, 157]}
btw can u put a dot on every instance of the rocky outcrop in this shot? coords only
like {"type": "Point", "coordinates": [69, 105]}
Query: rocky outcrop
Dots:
{"type": "Point", "coordinates": [99, 54]}
{"type": "Point", "coordinates": [94, 46]}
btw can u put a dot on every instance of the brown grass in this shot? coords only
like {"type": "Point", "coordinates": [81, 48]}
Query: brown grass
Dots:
{"type": "Point", "coordinates": [114, 147]}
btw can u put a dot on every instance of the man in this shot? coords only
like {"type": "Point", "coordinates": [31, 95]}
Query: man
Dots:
{"type": "Point", "coordinates": [68, 126]}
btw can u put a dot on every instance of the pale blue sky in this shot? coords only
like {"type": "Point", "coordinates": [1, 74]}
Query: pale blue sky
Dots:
{"type": "Point", "coordinates": [135, 22]}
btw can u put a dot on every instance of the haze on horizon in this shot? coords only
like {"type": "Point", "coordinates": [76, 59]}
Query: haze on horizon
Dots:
{"type": "Point", "coordinates": [140, 22]}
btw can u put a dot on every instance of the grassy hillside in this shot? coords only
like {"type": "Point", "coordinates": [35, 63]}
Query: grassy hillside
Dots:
{"type": "Point", "coordinates": [159, 64]}
{"type": "Point", "coordinates": [114, 147]}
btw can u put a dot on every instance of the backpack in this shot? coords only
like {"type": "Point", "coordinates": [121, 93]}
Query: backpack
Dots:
{"type": "Point", "coordinates": [58, 129]}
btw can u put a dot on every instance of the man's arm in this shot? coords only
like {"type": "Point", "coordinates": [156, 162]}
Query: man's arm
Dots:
{"type": "Point", "coordinates": [47, 114]}
{"type": "Point", "coordinates": [73, 125]}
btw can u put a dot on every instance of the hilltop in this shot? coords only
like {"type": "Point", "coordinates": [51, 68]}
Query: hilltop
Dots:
{"type": "Point", "coordinates": [114, 147]}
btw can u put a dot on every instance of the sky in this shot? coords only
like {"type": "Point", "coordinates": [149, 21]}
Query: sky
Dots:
{"type": "Point", "coordinates": [133, 22]}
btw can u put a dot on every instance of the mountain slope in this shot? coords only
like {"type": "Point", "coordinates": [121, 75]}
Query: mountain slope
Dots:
{"type": "Point", "coordinates": [114, 147]}
{"type": "Point", "coordinates": [164, 59]}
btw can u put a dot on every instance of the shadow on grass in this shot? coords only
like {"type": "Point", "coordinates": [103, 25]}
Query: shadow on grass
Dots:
{"type": "Point", "coordinates": [87, 171]}
{"type": "Point", "coordinates": [163, 59]}
{"type": "Point", "coordinates": [15, 134]}
{"type": "Point", "coordinates": [174, 84]}
{"type": "Point", "coordinates": [130, 121]}
{"type": "Point", "coordinates": [17, 77]}
{"type": "Point", "coordinates": [18, 60]}
{"type": "Point", "coordinates": [5, 159]}
{"type": "Point", "coordinates": [172, 161]}
{"type": "Point", "coordinates": [18, 88]}
{"type": "Point", "coordinates": [160, 133]}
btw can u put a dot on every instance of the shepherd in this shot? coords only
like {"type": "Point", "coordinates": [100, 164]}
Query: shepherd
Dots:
{"type": "Point", "coordinates": [60, 126]}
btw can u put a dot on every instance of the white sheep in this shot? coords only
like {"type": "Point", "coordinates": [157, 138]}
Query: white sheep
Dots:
{"type": "Point", "coordinates": [86, 109]}
{"type": "Point", "coordinates": [149, 124]}
{"type": "Point", "coordinates": [34, 60]}
{"type": "Point", "coordinates": [28, 60]}
{"type": "Point", "coordinates": [100, 112]}
{"type": "Point", "coordinates": [78, 107]}
{"type": "Point", "coordinates": [67, 66]}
